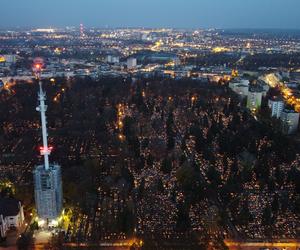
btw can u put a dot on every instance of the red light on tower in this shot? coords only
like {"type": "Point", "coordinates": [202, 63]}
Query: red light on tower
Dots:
{"type": "Point", "coordinates": [38, 64]}
{"type": "Point", "coordinates": [45, 151]}
{"type": "Point", "coordinates": [37, 68]}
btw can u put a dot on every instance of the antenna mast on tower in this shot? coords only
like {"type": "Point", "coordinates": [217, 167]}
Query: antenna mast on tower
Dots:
{"type": "Point", "coordinates": [42, 108]}
{"type": "Point", "coordinates": [81, 31]}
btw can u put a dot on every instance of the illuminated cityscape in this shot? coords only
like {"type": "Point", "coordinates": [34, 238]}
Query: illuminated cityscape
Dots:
{"type": "Point", "coordinates": [160, 138]}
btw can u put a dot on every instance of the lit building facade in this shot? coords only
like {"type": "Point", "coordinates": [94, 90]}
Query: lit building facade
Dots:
{"type": "Point", "coordinates": [276, 106]}
{"type": "Point", "coordinates": [48, 191]}
{"type": "Point", "coordinates": [254, 98]}
{"type": "Point", "coordinates": [131, 63]}
{"type": "Point", "coordinates": [290, 121]}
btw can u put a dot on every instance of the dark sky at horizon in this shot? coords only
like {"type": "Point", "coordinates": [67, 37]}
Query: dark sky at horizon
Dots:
{"type": "Point", "coordinates": [282, 14]}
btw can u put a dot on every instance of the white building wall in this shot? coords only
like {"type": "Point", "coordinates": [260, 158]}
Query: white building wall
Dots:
{"type": "Point", "coordinates": [131, 63]}
{"type": "Point", "coordinates": [11, 221]}
{"type": "Point", "coordinates": [240, 86]}
{"type": "Point", "coordinates": [3, 227]}
{"type": "Point", "coordinates": [276, 108]}
{"type": "Point", "coordinates": [242, 90]}
{"type": "Point", "coordinates": [254, 100]}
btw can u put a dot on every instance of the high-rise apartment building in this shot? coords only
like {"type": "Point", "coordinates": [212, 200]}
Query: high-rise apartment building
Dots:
{"type": "Point", "coordinates": [276, 105]}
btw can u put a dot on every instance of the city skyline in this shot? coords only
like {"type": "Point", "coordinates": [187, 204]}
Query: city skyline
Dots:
{"type": "Point", "coordinates": [133, 13]}
{"type": "Point", "coordinates": [150, 124]}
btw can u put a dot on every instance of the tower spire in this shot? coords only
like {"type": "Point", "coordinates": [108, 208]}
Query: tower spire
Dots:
{"type": "Point", "coordinates": [42, 108]}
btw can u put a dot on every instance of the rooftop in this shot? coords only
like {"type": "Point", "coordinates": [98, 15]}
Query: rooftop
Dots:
{"type": "Point", "coordinates": [9, 207]}
{"type": "Point", "coordinates": [276, 99]}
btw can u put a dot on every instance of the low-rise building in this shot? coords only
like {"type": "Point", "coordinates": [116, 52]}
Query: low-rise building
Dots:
{"type": "Point", "coordinates": [131, 63]}
{"type": "Point", "coordinates": [240, 86]}
{"type": "Point", "coordinates": [11, 215]}
{"type": "Point", "coordinates": [112, 59]}
{"type": "Point", "coordinates": [8, 59]}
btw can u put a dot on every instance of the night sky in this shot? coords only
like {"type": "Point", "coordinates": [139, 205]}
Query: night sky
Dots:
{"type": "Point", "coordinates": [280, 14]}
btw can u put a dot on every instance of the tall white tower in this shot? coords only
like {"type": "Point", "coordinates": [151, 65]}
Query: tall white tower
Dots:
{"type": "Point", "coordinates": [42, 108]}
{"type": "Point", "coordinates": [47, 177]}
